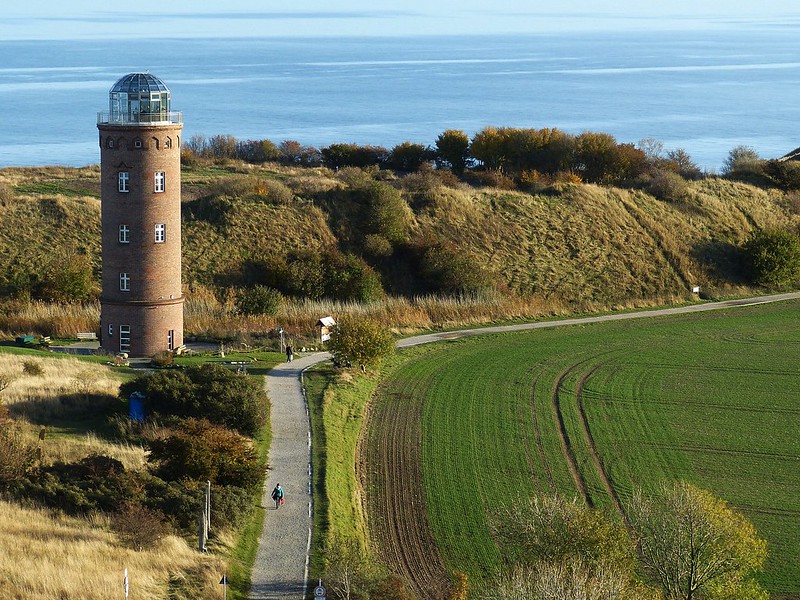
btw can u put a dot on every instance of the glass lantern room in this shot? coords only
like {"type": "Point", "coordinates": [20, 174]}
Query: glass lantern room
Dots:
{"type": "Point", "coordinates": [139, 98]}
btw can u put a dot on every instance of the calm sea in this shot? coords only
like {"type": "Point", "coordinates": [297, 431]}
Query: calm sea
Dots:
{"type": "Point", "coordinates": [704, 91]}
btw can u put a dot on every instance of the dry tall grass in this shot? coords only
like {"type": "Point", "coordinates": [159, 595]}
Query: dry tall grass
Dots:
{"type": "Point", "coordinates": [48, 556]}
{"type": "Point", "coordinates": [65, 388]}
{"type": "Point", "coordinates": [46, 318]}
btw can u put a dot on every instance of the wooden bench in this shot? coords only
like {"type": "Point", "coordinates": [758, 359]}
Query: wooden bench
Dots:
{"type": "Point", "coordinates": [87, 336]}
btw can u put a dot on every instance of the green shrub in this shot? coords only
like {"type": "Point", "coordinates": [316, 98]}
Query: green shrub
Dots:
{"type": "Point", "coordinates": [32, 368]}
{"type": "Point", "coordinates": [668, 186]}
{"type": "Point", "coordinates": [66, 278]}
{"type": "Point", "coordinates": [773, 257]}
{"type": "Point", "coordinates": [209, 391]}
{"type": "Point", "coordinates": [348, 277]}
{"type": "Point", "coordinates": [163, 360]}
{"type": "Point", "coordinates": [742, 160]}
{"type": "Point", "coordinates": [95, 483]}
{"type": "Point", "coordinates": [275, 192]}
{"type": "Point", "coordinates": [387, 213]}
{"type": "Point", "coordinates": [450, 271]}
{"type": "Point", "coordinates": [179, 501]}
{"type": "Point", "coordinates": [259, 300]}
{"type": "Point", "coordinates": [360, 341]}
{"type": "Point", "coordinates": [408, 156]}
{"type": "Point", "coordinates": [337, 156]}
{"type": "Point", "coordinates": [197, 449]}
{"type": "Point", "coordinates": [377, 246]}
{"type": "Point", "coordinates": [452, 150]}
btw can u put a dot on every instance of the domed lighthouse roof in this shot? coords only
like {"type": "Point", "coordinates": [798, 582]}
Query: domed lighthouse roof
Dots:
{"type": "Point", "coordinates": [140, 98]}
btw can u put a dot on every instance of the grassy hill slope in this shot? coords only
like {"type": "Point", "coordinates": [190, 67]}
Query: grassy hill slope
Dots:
{"type": "Point", "coordinates": [577, 245]}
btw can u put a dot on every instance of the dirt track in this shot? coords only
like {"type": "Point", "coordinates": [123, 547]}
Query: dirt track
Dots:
{"type": "Point", "coordinates": [391, 473]}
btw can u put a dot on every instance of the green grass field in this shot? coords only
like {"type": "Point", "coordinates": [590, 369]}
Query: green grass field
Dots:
{"type": "Point", "coordinates": [598, 410]}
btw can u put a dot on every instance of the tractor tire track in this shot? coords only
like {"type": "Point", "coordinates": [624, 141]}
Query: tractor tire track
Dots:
{"type": "Point", "coordinates": [594, 455]}
{"type": "Point", "coordinates": [538, 437]}
{"type": "Point", "coordinates": [566, 446]}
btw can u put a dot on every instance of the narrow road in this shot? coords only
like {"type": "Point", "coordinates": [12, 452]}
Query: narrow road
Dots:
{"type": "Point", "coordinates": [281, 567]}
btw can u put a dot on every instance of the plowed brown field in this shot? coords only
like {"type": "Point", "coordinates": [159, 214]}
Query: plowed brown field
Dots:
{"type": "Point", "coordinates": [390, 471]}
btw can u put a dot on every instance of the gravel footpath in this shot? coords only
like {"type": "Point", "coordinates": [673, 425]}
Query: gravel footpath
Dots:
{"type": "Point", "coordinates": [280, 569]}
{"type": "Point", "coordinates": [281, 566]}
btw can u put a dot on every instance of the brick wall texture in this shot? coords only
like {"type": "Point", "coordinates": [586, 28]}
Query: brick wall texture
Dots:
{"type": "Point", "coordinates": [153, 305]}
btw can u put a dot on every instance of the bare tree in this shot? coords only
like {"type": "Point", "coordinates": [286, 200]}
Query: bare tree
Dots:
{"type": "Point", "coordinates": [346, 569]}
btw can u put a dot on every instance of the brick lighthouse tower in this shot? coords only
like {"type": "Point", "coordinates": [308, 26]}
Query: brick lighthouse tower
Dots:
{"type": "Point", "coordinates": [141, 305]}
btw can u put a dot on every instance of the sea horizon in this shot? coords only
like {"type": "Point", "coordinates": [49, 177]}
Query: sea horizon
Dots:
{"type": "Point", "coordinates": [704, 91]}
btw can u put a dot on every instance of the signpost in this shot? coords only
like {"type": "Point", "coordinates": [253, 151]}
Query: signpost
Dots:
{"type": "Point", "coordinates": [319, 591]}
{"type": "Point", "coordinates": [224, 583]}
{"type": "Point", "coordinates": [125, 583]}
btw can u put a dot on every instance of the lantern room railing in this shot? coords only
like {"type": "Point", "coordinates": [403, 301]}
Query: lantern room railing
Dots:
{"type": "Point", "coordinates": [142, 118]}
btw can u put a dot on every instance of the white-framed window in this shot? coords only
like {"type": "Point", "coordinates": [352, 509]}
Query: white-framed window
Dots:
{"type": "Point", "coordinates": [110, 330]}
{"type": "Point", "coordinates": [159, 181]}
{"type": "Point", "coordinates": [124, 234]}
{"type": "Point", "coordinates": [123, 181]}
{"type": "Point", "coordinates": [161, 233]}
{"type": "Point", "coordinates": [124, 338]}
{"type": "Point", "coordinates": [171, 339]}
{"type": "Point", "coordinates": [124, 282]}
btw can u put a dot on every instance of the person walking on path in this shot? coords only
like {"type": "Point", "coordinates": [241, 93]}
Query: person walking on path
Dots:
{"type": "Point", "coordinates": [289, 353]}
{"type": "Point", "coordinates": [277, 496]}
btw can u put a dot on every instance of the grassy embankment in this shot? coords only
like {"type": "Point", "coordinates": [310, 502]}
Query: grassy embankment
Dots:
{"type": "Point", "coordinates": [575, 248]}
{"type": "Point", "coordinates": [595, 411]}
{"type": "Point", "coordinates": [71, 400]}
{"type": "Point", "coordinates": [337, 413]}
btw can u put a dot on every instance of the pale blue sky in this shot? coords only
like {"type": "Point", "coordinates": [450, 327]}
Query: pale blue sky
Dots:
{"type": "Point", "coordinates": [53, 19]}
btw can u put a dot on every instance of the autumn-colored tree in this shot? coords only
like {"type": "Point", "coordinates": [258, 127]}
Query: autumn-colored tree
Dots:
{"type": "Point", "coordinates": [488, 147]}
{"type": "Point", "coordinates": [452, 150]}
{"type": "Point", "coordinates": [551, 529]}
{"type": "Point", "coordinates": [563, 549]}
{"type": "Point", "coordinates": [408, 156]}
{"type": "Point", "coordinates": [682, 163]}
{"type": "Point", "coordinates": [199, 450]}
{"type": "Point", "coordinates": [294, 153]}
{"type": "Point", "coordinates": [360, 341]}
{"type": "Point", "coordinates": [694, 545]}
{"type": "Point", "coordinates": [257, 151]}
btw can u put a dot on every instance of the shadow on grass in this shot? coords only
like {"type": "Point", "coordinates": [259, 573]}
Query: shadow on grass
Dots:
{"type": "Point", "coordinates": [75, 412]}
{"type": "Point", "coordinates": [726, 260]}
